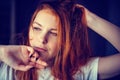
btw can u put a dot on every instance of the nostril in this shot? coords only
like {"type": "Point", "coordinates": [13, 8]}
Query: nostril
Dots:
{"type": "Point", "coordinates": [44, 41]}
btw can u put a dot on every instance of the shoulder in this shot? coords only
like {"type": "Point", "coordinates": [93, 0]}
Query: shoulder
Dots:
{"type": "Point", "coordinates": [92, 65]}
{"type": "Point", "coordinates": [93, 61]}
{"type": "Point", "coordinates": [89, 71]}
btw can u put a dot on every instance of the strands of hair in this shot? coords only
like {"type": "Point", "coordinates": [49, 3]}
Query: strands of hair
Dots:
{"type": "Point", "coordinates": [73, 41]}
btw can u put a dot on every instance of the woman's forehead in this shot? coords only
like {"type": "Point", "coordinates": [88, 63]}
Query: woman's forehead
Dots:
{"type": "Point", "coordinates": [47, 17]}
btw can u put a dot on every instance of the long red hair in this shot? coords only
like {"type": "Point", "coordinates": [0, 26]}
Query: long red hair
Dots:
{"type": "Point", "coordinates": [74, 49]}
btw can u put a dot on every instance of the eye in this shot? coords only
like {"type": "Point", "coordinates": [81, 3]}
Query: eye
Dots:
{"type": "Point", "coordinates": [53, 33]}
{"type": "Point", "coordinates": [36, 26]}
{"type": "Point", "coordinates": [36, 29]}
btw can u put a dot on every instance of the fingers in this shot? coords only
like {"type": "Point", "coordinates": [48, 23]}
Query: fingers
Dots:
{"type": "Point", "coordinates": [36, 61]}
{"type": "Point", "coordinates": [40, 64]}
{"type": "Point", "coordinates": [30, 50]}
{"type": "Point", "coordinates": [34, 57]}
{"type": "Point", "coordinates": [22, 67]}
{"type": "Point", "coordinates": [80, 6]}
{"type": "Point", "coordinates": [26, 51]}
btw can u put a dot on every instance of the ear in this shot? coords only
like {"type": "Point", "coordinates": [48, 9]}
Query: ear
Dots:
{"type": "Point", "coordinates": [30, 33]}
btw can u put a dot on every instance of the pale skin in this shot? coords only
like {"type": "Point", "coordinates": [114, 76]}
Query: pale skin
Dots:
{"type": "Point", "coordinates": [108, 66]}
{"type": "Point", "coordinates": [18, 57]}
{"type": "Point", "coordinates": [49, 31]}
{"type": "Point", "coordinates": [43, 33]}
{"type": "Point", "coordinates": [42, 37]}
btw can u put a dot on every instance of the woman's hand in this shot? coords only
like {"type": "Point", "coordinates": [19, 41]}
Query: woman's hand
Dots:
{"type": "Point", "coordinates": [86, 14]}
{"type": "Point", "coordinates": [101, 26]}
{"type": "Point", "coordinates": [111, 33]}
{"type": "Point", "coordinates": [20, 57]}
{"type": "Point", "coordinates": [88, 17]}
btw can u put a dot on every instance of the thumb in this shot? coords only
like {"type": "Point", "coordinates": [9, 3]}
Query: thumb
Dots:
{"type": "Point", "coordinates": [30, 50]}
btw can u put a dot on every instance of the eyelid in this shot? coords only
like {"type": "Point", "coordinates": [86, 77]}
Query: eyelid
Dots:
{"type": "Point", "coordinates": [36, 28]}
{"type": "Point", "coordinates": [36, 24]}
{"type": "Point", "coordinates": [54, 33]}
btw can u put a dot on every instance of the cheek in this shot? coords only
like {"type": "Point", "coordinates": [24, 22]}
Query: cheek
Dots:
{"type": "Point", "coordinates": [33, 41]}
{"type": "Point", "coordinates": [53, 46]}
{"type": "Point", "coordinates": [32, 38]}
{"type": "Point", "coordinates": [30, 34]}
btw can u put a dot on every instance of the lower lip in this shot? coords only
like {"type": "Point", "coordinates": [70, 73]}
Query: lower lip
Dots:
{"type": "Point", "coordinates": [40, 49]}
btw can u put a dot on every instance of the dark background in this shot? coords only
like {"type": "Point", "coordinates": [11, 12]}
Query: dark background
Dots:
{"type": "Point", "coordinates": [15, 16]}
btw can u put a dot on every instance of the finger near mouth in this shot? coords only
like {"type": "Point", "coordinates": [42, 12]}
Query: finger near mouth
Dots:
{"type": "Point", "coordinates": [43, 55]}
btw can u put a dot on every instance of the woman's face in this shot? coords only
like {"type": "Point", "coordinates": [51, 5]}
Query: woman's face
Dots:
{"type": "Point", "coordinates": [43, 33]}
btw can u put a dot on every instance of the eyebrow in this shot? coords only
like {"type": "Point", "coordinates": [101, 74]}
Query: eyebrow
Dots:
{"type": "Point", "coordinates": [41, 26]}
{"type": "Point", "coordinates": [38, 24]}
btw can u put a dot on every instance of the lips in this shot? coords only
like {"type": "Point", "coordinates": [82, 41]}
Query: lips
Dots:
{"type": "Point", "coordinates": [43, 55]}
{"type": "Point", "coordinates": [40, 49]}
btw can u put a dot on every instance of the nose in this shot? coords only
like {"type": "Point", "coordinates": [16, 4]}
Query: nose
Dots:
{"type": "Point", "coordinates": [43, 38]}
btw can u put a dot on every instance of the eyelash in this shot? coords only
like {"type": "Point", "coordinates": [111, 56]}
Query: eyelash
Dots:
{"type": "Point", "coordinates": [36, 28]}
{"type": "Point", "coordinates": [55, 34]}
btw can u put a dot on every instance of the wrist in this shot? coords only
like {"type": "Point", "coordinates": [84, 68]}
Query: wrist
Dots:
{"type": "Point", "coordinates": [88, 18]}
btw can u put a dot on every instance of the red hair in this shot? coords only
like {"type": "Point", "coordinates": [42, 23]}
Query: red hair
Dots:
{"type": "Point", "coordinates": [74, 49]}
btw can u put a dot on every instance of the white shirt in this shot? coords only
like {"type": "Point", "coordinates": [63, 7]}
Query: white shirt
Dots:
{"type": "Point", "coordinates": [89, 72]}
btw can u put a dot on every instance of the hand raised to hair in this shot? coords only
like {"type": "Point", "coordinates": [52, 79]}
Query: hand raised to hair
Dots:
{"type": "Point", "coordinates": [18, 57]}
{"type": "Point", "coordinates": [86, 18]}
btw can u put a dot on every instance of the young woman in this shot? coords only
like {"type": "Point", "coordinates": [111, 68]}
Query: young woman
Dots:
{"type": "Point", "coordinates": [56, 46]}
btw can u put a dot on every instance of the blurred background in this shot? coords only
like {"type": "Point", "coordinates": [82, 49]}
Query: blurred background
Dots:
{"type": "Point", "coordinates": [15, 15]}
